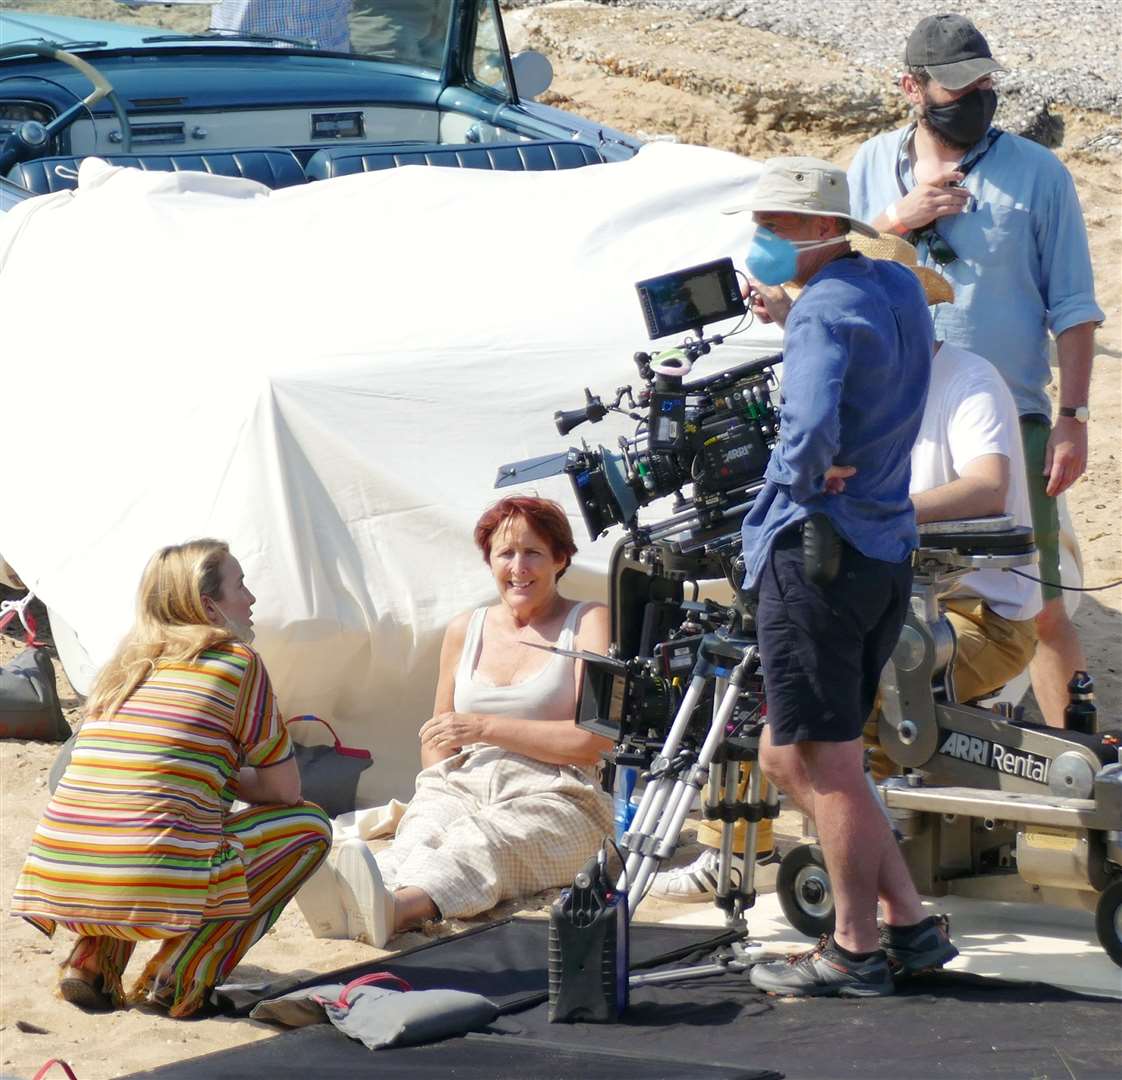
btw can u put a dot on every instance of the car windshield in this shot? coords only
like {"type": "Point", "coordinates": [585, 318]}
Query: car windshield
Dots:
{"type": "Point", "coordinates": [405, 31]}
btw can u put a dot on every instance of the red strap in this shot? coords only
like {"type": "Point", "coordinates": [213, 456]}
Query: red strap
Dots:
{"type": "Point", "coordinates": [31, 628]}
{"type": "Point", "coordinates": [341, 1001]}
{"type": "Point", "coordinates": [346, 751]}
{"type": "Point", "coordinates": [47, 1068]}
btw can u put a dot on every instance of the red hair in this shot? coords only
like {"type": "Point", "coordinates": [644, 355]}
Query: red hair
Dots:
{"type": "Point", "coordinates": [544, 516]}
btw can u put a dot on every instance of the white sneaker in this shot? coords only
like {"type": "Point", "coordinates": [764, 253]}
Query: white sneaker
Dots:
{"type": "Point", "coordinates": [688, 884]}
{"type": "Point", "coordinates": [366, 900]}
{"type": "Point", "coordinates": [321, 903]}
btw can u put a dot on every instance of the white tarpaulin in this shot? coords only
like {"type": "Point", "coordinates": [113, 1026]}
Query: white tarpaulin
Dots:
{"type": "Point", "coordinates": [327, 376]}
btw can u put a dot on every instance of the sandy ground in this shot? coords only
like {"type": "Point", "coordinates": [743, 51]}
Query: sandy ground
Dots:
{"type": "Point", "coordinates": [663, 74]}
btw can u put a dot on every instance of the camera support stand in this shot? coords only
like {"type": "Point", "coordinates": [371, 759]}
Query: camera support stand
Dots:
{"type": "Point", "coordinates": [677, 775]}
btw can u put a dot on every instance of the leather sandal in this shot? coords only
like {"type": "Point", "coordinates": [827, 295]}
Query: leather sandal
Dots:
{"type": "Point", "coordinates": [84, 990]}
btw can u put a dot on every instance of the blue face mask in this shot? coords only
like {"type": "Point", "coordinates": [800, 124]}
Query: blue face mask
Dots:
{"type": "Point", "coordinates": [772, 260]}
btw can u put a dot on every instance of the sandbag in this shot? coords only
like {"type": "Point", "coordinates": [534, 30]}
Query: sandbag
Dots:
{"type": "Point", "coordinates": [29, 705]}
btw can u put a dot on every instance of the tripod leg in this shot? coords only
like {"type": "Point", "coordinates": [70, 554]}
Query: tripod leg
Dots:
{"type": "Point", "coordinates": [657, 791]}
{"type": "Point", "coordinates": [659, 841]}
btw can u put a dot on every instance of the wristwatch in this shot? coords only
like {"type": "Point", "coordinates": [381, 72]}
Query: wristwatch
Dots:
{"type": "Point", "coordinates": [1079, 412]}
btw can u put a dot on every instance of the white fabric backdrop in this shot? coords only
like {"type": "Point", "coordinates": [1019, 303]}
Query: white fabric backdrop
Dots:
{"type": "Point", "coordinates": [328, 377]}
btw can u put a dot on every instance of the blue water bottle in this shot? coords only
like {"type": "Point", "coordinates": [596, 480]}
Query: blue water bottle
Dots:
{"type": "Point", "coordinates": [624, 808]}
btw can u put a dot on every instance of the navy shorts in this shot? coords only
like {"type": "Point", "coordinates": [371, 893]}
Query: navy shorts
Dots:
{"type": "Point", "coordinates": [823, 648]}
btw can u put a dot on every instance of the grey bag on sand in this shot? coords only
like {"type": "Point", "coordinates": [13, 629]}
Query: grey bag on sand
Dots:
{"type": "Point", "coordinates": [380, 1017]}
{"type": "Point", "coordinates": [29, 706]}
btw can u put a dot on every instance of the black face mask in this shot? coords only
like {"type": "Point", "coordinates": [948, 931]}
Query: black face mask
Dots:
{"type": "Point", "coordinates": [963, 122]}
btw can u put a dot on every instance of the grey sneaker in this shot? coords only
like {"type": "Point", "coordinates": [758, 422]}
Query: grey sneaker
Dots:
{"type": "Point", "coordinates": [822, 971]}
{"type": "Point", "coordinates": [923, 948]}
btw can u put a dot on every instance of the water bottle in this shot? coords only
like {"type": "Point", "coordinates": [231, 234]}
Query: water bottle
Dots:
{"type": "Point", "coordinates": [623, 805]}
{"type": "Point", "coordinates": [1080, 713]}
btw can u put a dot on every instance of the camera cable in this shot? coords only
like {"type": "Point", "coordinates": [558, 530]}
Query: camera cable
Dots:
{"type": "Point", "coordinates": [1066, 588]}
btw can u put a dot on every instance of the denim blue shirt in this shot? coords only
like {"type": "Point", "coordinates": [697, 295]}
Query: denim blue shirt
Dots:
{"type": "Point", "coordinates": [1023, 264]}
{"type": "Point", "coordinates": [856, 364]}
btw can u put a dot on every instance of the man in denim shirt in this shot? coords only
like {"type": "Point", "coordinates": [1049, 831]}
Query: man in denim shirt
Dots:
{"type": "Point", "coordinates": [998, 215]}
{"type": "Point", "coordinates": [856, 364]}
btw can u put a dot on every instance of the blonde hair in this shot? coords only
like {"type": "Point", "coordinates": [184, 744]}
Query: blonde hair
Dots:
{"type": "Point", "coordinates": [171, 623]}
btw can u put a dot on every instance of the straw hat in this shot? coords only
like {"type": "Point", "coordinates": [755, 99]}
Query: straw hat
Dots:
{"type": "Point", "coordinates": [936, 288]}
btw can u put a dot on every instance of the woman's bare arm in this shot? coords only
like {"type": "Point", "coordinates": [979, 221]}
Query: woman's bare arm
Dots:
{"type": "Point", "coordinates": [444, 702]}
{"type": "Point", "coordinates": [277, 784]}
{"type": "Point", "coordinates": [558, 742]}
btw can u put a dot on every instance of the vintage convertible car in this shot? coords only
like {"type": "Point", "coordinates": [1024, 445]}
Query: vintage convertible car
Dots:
{"type": "Point", "coordinates": [423, 81]}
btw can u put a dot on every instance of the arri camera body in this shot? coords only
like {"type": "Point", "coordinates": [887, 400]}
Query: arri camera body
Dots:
{"type": "Point", "coordinates": [706, 440]}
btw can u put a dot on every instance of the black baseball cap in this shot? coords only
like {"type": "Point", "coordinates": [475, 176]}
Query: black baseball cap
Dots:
{"type": "Point", "coordinates": [952, 50]}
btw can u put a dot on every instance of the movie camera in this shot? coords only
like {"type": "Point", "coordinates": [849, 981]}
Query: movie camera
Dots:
{"type": "Point", "coordinates": [704, 441]}
{"type": "Point", "coordinates": [711, 435]}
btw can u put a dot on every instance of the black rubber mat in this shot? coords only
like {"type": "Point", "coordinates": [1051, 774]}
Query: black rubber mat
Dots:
{"type": "Point", "coordinates": [946, 1025]}
{"type": "Point", "coordinates": [324, 1053]}
{"type": "Point", "coordinates": [504, 961]}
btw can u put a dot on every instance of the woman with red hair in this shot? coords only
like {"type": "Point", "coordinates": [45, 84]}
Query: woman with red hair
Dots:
{"type": "Point", "coordinates": [507, 802]}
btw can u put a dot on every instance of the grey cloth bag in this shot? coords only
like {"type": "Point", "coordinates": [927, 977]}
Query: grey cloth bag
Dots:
{"type": "Point", "coordinates": [29, 705]}
{"type": "Point", "coordinates": [379, 1017]}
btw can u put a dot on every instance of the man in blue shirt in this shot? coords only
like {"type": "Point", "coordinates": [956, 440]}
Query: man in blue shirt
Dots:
{"type": "Point", "coordinates": [999, 217]}
{"type": "Point", "coordinates": [856, 364]}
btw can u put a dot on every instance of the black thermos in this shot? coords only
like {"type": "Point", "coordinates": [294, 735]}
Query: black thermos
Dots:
{"type": "Point", "coordinates": [1080, 713]}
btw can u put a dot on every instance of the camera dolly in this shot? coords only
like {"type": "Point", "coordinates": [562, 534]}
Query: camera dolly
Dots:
{"type": "Point", "coordinates": [986, 805]}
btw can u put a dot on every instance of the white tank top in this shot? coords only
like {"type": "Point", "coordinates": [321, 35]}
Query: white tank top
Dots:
{"type": "Point", "coordinates": [549, 694]}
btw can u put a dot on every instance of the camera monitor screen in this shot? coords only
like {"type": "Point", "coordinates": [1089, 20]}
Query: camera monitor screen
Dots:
{"type": "Point", "coordinates": [688, 299]}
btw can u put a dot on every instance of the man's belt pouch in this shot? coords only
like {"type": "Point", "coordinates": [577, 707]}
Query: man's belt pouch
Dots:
{"type": "Point", "coordinates": [822, 550]}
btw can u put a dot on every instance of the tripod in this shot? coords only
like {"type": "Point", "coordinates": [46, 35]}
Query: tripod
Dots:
{"type": "Point", "coordinates": [729, 661]}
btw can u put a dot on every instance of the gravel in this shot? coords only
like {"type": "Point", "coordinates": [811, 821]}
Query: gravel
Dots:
{"type": "Point", "coordinates": [1063, 51]}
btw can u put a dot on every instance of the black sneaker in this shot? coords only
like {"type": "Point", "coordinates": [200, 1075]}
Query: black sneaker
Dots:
{"type": "Point", "coordinates": [824, 970]}
{"type": "Point", "coordinates": [924, 947]}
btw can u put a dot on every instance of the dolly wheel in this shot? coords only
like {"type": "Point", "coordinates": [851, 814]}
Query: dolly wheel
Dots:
{"type": "Point", "coordinates": [804, 891]}
{"type": "Point", "coordinates": [1108, 920]}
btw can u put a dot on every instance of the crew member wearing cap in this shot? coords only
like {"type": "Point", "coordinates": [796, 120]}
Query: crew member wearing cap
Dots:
{"type": "Point", "coordinates": [998, 216]}
{"type": "Point", "coordinates": [856, 363]}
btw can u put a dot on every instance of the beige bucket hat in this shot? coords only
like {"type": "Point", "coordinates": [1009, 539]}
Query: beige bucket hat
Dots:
{"type": "Point", "coordinates": [802, 185]}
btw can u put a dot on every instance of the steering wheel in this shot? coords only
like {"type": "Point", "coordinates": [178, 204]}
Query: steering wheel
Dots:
{"type": "Point", "coordinates": [31, 137]}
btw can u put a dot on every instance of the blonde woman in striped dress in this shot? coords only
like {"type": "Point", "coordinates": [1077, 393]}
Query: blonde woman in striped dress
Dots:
{"type": "Point", "coordinates": [138, 842]}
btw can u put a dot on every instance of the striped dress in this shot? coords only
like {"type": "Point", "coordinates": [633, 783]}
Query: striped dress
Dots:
{"type": "Point", "coordinates": [134, 834]}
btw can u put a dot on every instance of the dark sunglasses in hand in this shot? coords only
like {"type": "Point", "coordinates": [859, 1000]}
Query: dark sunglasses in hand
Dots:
{"type": "Point", "coordinates": [937, 244]}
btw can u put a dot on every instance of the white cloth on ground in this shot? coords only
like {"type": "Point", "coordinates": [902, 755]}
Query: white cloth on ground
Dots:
{"type": "Point", "coordinates": [487, 824]}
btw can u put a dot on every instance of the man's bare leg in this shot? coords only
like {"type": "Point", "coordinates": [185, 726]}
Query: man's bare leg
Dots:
{"type": "Point", "coordinates": [827, 782]}
{"type": "Point", "coordinates": [1058, 656]}
{"type": "Point", "coordinates": [858, 846]}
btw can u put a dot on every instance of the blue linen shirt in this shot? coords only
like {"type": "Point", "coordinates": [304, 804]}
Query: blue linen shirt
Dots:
{"type": "Point", "coordinates": [1023, 265]}
{"type": "Point", "coordinates": [856, 364]}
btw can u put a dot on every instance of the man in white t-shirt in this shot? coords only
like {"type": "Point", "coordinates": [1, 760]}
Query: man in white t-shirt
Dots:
{"type": "Point", "coordinates": [968, 462]}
